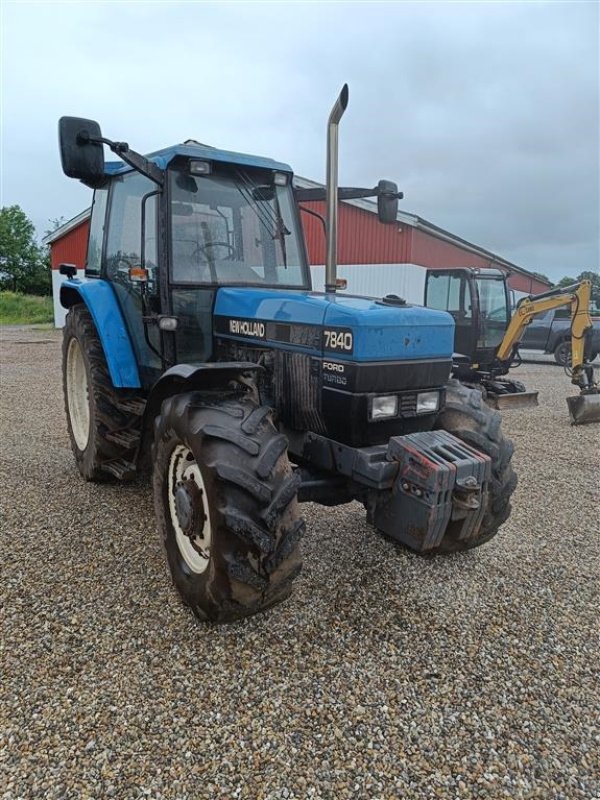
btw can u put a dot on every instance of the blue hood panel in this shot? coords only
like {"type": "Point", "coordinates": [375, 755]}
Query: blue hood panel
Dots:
{"type": "Point", "coordinates": [379, 332]}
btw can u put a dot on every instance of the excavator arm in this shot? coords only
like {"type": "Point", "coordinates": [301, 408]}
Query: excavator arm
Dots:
{"type": "Point", "coordinates": [578, 296]}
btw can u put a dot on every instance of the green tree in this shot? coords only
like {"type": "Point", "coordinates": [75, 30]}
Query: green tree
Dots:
{"type": "Point", "coordinates": [566, 281]}
{"type": "Point", "coordinates": [594, 277]}
{"type": "Point", "coordinates": [586, 275]}
{"type": "Point", "coordinates": [23, 266]}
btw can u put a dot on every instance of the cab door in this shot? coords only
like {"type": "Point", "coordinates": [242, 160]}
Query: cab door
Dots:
{"type": "Point", "coordinates": [494, 315]}
{"type": "Point", "coordinates": [453, 291]}
{"type": "Point", "coordinates": [133, 196]}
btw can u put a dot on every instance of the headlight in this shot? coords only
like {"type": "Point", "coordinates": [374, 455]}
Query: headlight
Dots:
{"type": "Point", "coordinates": [384, 406]}
{"type": "Point", "coordinates": [428, 402]}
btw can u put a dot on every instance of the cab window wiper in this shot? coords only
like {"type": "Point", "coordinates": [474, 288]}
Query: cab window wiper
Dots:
{"type": "Point", "coordinates": [270, 219]}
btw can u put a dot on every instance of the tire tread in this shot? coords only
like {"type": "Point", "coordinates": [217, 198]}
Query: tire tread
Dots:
{"type": "Point", "coordinates": [108, 416]}
{"type": "Point", "coordinates": [253, 506]}
{"type": "Point", "coordinates": [470, 419]}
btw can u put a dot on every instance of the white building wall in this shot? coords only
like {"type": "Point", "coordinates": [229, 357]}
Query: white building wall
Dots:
{"type": "Point", "coordinates": [377, 280]}
{"type": "Point", "coordinates": [59, 312]}
{"type": "Point", "coordinates": [369, 280]}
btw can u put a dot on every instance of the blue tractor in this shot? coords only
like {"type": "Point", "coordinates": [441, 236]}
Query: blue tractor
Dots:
{"type": "Point", "coordinates": [196, 348]}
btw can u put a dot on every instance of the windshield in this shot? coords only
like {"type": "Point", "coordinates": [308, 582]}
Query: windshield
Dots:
{"type": "Point", "coordinates": [235, 227]}
{"type": "Point", "coordinates": [494, 311]}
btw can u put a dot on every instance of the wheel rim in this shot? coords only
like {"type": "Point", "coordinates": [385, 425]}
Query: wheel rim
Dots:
{"type": "Point", "coordinates": [78, 398]}
{"type": "Point", "coordinates": [565, 354]}
{"type": "Point", "coordinates": [188, 509]}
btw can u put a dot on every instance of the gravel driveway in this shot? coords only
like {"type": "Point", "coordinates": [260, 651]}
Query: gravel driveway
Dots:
{"type": "Point", "coordinates": [386, 675]}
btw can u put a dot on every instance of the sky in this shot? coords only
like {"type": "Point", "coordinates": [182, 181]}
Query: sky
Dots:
{"type": "Point", "coordinates": [485, 114]}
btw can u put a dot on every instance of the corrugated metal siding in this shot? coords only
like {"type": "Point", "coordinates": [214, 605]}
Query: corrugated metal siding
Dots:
{"type": "Point", "coordinates": [362, 239]}
{"type": "Point", "coordinates": [72, 247]}
{"type": "Point", "coordinates": [429, 251]}
{"type": "Point", "coordinates": [432, 252]}
{"type": "Point", "coordinates": [523, 283]}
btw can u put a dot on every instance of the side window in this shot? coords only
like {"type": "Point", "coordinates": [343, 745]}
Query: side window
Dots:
{"type": "Point", "coordinates": [124, 242]}
{"type": "Point", "coordinates": [449, 293]}
{"type": "Point", "coordinates": [94, 254]}
{"type": "Point", "coordinates": [562, 313]}
{"type": "Point", "coordinates": [542, 319]}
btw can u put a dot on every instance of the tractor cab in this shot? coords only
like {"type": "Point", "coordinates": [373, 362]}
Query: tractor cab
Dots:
{"type": "Point", "coordinates": [230, 225]}
{"type": "Point", "coordinates": [167, 233]}
{"type": "Point", "coordinates": [479, 302]}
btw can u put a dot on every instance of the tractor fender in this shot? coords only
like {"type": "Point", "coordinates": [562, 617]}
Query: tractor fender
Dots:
{"type": "Point", "coordinates": [188, 377]}
{"type": "Point", "coordinates": [100, 300]}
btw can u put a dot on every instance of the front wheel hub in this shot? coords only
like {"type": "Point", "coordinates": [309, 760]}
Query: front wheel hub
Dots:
{"type": "Point", "coordinates": [183, 507]}
{"type": "Point", "coordinates": [188, 509]}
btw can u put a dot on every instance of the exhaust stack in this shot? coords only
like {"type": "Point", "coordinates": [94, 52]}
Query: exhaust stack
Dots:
{"type": "Point", "coordinates": [332, 188]}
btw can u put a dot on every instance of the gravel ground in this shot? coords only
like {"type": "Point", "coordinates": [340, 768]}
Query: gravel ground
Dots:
{"type": "Point", "coordinates": [386, 675]}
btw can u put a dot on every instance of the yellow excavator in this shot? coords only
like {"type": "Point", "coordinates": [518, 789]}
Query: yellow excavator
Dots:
{"type": "Point", "coordinates": [487, 337]}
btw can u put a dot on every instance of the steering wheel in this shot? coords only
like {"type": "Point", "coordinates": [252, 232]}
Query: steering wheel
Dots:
{"type": "Point", "coordinates": [201, 249]}
{"type": "Point", "coordinates": [128, 261]}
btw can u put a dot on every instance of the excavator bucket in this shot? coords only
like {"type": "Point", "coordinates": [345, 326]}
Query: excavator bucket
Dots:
{"type": "Point", "coordinates": [513, 400]}
{"type": "Point", "coordinates": [584, 408]}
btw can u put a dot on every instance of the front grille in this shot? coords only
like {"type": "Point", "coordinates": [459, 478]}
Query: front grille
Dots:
{"type": "Point", "coordinates": [407, 404]}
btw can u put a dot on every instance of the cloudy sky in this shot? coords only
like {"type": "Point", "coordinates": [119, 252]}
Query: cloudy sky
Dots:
{"type": "Point", "coordinates": [485, 114]}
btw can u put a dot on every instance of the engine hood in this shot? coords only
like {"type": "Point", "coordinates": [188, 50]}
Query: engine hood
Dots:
{"type": "Point", "coordinates": [347, 327]}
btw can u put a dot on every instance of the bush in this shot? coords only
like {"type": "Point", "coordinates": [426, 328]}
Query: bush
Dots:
{"type": "Point", "coordinates": [24, 309]}
{"type": "Point", "coordinates": [24, 265]}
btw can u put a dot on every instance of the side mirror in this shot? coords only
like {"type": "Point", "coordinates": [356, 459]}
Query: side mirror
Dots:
{"type": "Point", "coordinates": [81, 156]}
{"type": "Point", "coordinates": [68, 270]}
{"type": "Point", "coordinates": [186, 182]}
{"type": "Point", "coordinates": [387, 202]}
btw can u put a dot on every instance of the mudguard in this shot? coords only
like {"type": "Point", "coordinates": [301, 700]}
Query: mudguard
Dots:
{"type": "Point", "coordinates": [101, 302]}
{"type": "Point", "coordinates": [187, 377]}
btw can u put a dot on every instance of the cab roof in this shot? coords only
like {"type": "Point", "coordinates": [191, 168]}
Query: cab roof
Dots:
{"type": "Point", "coordinates": [203, 152]}
{"type": "Point", "coordinates": [489, 272]}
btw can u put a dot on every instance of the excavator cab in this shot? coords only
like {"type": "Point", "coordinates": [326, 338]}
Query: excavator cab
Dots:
{"type": "Point", "coordinates": [487, 335]}
{"type": "Point", "coordinates": [479, 302]}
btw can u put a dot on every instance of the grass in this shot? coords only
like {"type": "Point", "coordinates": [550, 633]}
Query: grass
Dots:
{"type": "Point", "coordinates": [24, 309]}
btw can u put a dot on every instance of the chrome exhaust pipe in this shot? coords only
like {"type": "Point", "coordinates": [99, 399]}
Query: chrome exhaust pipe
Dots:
{"type": "Point", "coordinates": [332, 188]}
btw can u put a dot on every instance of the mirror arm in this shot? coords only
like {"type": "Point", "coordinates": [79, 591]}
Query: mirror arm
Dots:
{"type": "Point", "coordinates": [129, 156]}
{"type": "Point", "coordinates": [344, 193]}
{"type": "Point", "coordinates": [314, 214]}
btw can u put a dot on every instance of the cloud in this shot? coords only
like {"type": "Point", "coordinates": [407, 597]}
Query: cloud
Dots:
{"type": "Point", "coordinates": [485, 114]}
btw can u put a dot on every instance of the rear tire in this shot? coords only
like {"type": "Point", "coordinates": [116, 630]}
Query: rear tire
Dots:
{"type": "Point", "coordinates": [562, 353]}
{"type": "Point", "coordinates": [92, 404]}
{"type": "Point", "coordinates": [467, 417]}
{"type": "Point", "coordinates": [226, 505]}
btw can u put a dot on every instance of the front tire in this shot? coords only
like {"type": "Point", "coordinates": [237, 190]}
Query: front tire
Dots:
{"type": "Point", "coordinates": [468, 417]}
{"type": "Point", "coordinates": [225, 502]}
